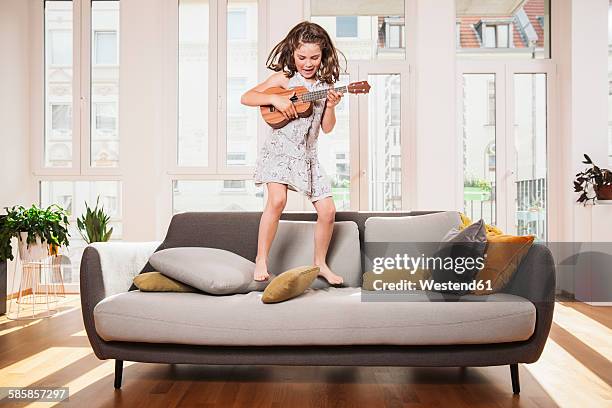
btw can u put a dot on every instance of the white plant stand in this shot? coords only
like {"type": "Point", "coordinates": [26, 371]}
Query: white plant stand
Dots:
{"type": "Point", "coordinates": [35, 293]}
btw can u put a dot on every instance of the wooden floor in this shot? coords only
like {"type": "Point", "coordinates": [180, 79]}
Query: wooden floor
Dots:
{"type": "Point", "coordinates": [574, 371]}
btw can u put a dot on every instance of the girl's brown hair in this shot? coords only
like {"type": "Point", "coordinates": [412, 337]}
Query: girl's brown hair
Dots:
{"type": "Point", "coordinates": [281, 56]}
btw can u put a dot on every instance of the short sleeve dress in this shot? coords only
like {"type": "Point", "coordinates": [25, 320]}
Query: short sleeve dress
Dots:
{"type": "Point", "coordinates": [289, 154]}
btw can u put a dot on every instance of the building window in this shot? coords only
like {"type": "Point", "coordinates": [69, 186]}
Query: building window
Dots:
{"type": "Point", "coordinates": [106, 116]}
{"type": "Point", "coordinates": [105, 47]}
{"type": "Point", "coordinates": [61, 47]}
{"type": "Point", "coordinates": [237, 24]}
{"type": "Point", "coordinates": [346, 26]}
{"type": "Point", "coordinates": [61, 117]}
{"type": "Point", "coordinates": [491, 102]}
{"type": "Point", "coordinates": [495, 35]}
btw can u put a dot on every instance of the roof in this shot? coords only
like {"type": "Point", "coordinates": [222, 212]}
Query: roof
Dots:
{"type": "Point", "coordinates": [469, 38]}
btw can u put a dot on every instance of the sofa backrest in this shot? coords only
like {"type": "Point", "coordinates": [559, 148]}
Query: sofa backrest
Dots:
{"type": "Point", "coordinates": [237, 231]}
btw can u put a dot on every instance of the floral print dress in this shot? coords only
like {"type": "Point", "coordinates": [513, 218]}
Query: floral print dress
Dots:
{"type": "Point", "coordinates": [289, 154]}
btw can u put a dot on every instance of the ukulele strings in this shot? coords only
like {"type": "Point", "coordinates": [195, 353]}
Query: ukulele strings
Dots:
{"type": "Point", "coordinates": [311, 96]}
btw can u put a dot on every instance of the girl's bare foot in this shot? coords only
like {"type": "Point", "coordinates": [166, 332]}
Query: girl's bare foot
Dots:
{"type": "Point", "coordinates": [261, 271]}
{"type": "Point", "coordinates": [328, 275]}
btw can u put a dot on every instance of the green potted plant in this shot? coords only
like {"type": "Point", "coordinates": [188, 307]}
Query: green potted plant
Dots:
{"type": "Point", "coordinates": [93, 224]}
{"type": "Point", "coordinates": [595, 178]}
{"type": "Point", "coordinates": [39, 231]}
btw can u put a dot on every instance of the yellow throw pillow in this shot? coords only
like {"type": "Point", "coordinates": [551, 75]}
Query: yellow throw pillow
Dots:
{"type": "Point", "coordinates": [157, 282]}
{"type": "Point", "coordinates": [503, 255]}
{"type": "Point", "coordinates": [490, 229]}
{"type": "Point", "coordinates": [394, 276]}
{"type": "Point", "coordinates": [290, 284]}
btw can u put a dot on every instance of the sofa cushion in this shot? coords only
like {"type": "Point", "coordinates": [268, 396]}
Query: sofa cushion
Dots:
{"type": "Point", "coordinates": [418, 228]}
{"type": "Point", "coordinates": [211, 270]}
{"type": "Point", "coordinates": [290, 284]}
{"type": "Point", "coordinates": [504, 255]}
{"type": "Point", "coordinates": [293, 246]}
{"type": "Point", "coordinates": [333, 316]}
{"type": "Point", "coordinates": [157, 282]}
{"type": "Point", "coordinates": [466, 245]}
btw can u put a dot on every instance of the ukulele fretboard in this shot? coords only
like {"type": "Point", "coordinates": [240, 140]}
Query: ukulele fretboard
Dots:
{"type": "Point", "coordinates": [313, 96]}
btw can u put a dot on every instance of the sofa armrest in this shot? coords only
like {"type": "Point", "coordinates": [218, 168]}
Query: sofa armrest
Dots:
{"type": "Point", "coordinates": [535, 276]}
{"type": "Point", "coordinates": [535, 280]}
{"type": "Point", "coordinates": [108, 268]}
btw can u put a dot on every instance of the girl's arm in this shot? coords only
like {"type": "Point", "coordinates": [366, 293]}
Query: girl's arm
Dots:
{"type": "Point", "coordinates": [256, 97]}
{"type": "Point", "coordinates": [329, 114]}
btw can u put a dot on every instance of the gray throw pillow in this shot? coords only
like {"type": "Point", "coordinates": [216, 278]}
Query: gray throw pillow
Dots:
{"type": "Point", "coordinates": [212, 270]}
{"type": "Point", "coordinates": [467, 243]}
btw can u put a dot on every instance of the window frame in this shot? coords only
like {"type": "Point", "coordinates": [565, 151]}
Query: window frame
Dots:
{"type": "Point", "coordinates": [217, 92]}
{"type": "Point", "coordinates": [81, 95]}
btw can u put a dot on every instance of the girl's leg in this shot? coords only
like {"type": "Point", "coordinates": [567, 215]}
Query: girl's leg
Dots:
{"type": "Point", "coordinates": [268, 224]}
{"type": "Point", "coordinates": [326, 214]}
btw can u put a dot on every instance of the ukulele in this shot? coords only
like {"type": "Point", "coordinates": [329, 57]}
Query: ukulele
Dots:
{"type": "Point", "coordinates": [302, 99]}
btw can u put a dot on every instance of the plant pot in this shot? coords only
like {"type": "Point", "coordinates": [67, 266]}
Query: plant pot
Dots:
{"type": "Point", "coordinates": [34, 252]}
{"type": "Point", "coordinates": [604, 192]}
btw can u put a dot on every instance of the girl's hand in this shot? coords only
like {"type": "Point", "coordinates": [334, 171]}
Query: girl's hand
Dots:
{"type": "Point", "coordinates": [333, 98]}
{"type": "Point", "coordinates": [284, 106]}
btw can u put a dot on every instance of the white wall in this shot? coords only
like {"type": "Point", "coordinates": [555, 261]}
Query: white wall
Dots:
{"type": "Point", "coordinates": [15, 177]}
{"type": "Point", "coordinates": [436, 136]}
{"type": "Point", "coordinates": [588, 105]}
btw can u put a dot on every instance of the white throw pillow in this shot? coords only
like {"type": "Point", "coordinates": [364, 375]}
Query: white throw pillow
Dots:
{"type": "Point", "coordinates": [212, 270]}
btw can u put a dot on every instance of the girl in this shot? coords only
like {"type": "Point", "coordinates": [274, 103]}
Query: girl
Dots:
{"type": "Point", "coordinates": [288, 158]}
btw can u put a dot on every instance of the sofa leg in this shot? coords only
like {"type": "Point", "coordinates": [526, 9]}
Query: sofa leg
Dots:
{"type": "Point", "coordinates": [514, 374]}
{"type": "Point", "coordinates": [118, 373]}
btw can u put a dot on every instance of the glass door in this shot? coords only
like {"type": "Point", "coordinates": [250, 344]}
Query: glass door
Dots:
{"type": "Point", "coordinates": [503, 125]}
{"type": "Point", "coordinates": [382, 137]}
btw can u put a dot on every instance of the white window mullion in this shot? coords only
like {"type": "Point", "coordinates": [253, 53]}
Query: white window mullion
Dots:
{"type": "Point", "coordinates": [84, 38]}
{"type": "Point", "coordinates": [217, 75]}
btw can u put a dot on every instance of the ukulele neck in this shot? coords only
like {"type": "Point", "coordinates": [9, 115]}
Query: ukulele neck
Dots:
{"type": "Point", "coordinates": [314, 95]}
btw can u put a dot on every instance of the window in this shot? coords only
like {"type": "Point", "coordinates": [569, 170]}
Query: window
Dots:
{"type": "Point", "coordinates": [61, 47]}
{"type": "Point", "coordinates": [394, 33]}
{"type": "Point", "coordinates": [104, 139]}
{"type": "Point", "coordinates": [105, 47]}
{"type": "Point", "coordinates": [193, 63]}
{"type": "Point", "coordinates": [62, 142]}
{"type": "Point", "coordinates": [530, 166]}
{"type": "Point", "coordinates": [491, 102]}
{"type": "Point", "coordinates": [363, 30]}
{"type": "Point", "coordinates": [346, 26]}
{"type": "Point", "coordinates": [494, 35]}
{"type": "Point", "coordinates": [58, 88]}
{"type": "Point", "coordinates": [520, 29]}
{"type": "Point", "coordinates": [106, 116]}
{"type": "Point", "coordinates": [61, 117]}
{"type": "Point", "coordinates": [334, 153]}
{"type": "Point", "coordinates": [216, 195]}
{"type": "Point", "coordinates": [384, 126]}
{"type": "Point", "coordinates": [72, 196]}
{"type": "Point", "coordinates": [478, 147]}
{"type": "Point", "coordinates": [242, 68]}
{"type": "Point", "coordinates": [237, 20]}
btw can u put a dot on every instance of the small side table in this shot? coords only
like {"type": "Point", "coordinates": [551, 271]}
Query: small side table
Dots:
{"type": "Point", "coordinates": [36, 293]}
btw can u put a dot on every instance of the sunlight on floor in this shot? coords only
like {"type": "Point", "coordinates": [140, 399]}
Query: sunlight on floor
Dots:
{"type": "Point", "coordinates": [589, 331]}
{"type": "Point", "coordinates": [34, 368]}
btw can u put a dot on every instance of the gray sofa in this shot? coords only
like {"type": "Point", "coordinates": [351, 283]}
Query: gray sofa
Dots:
{"type": "Point", "coordinates": [327, 326]}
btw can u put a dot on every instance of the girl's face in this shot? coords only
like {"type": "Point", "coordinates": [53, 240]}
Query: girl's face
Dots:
{"type": "Point", "coordinates": [307, 59]}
